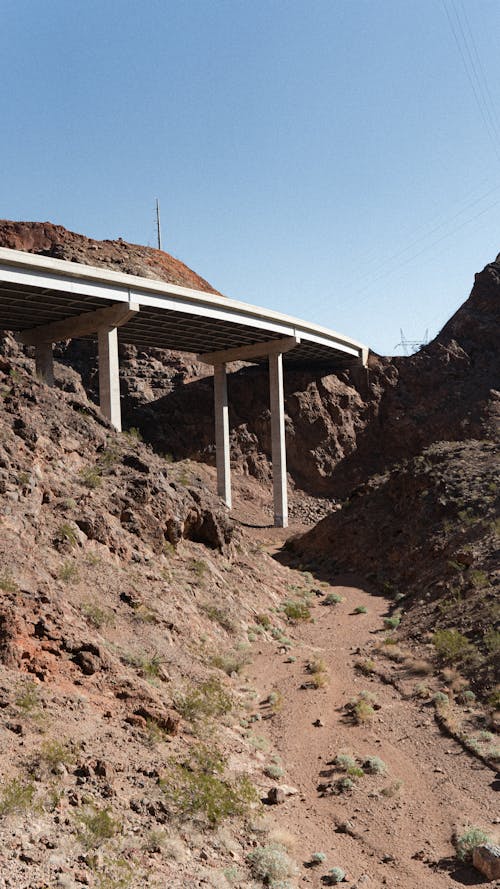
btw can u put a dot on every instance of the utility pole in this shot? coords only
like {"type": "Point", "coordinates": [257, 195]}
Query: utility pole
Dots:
{"type": "Point", "coordinates": [158, 226]}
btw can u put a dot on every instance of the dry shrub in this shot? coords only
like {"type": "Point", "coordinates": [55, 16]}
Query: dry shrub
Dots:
{"type": "Point", "coordinates": [284, 838]}
{"type": "Point", "coordinates": [418, 666]}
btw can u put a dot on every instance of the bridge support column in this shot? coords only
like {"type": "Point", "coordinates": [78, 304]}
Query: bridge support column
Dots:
{"type": "Point", "coordinates": [109, 376]}
{"type": "Point", "coordinates": [222, 434]}
{"type": "Point", "coordinates": [278, 440]}
{"type": "Point", "coordinates": [44, 363]}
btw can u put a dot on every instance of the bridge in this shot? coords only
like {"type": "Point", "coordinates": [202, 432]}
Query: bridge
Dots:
{"type": "Point", "coordinates": [46, 300]}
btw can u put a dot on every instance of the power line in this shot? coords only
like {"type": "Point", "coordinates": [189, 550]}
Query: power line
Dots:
{"type": "Point", "coordinates": [471, 73]}
{"type": "Point", "coordinates": [409, 259]}
{"type": "Point", "coordinates": [421, 238]}
{"type": "Point", "coordinates": [482, 79]}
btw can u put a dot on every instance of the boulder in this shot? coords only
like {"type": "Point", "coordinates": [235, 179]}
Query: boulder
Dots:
{"type": "Point", "coordinates": [486, 859]}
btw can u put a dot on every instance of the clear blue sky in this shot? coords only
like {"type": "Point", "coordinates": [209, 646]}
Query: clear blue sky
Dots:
{"type": "Point", "coordinates": [326, 158]}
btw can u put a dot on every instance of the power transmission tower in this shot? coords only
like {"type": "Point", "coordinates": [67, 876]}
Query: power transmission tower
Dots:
{"type": "Point", "coordinates": [411, 346]}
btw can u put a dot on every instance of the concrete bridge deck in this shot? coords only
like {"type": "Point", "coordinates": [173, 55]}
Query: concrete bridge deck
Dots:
{"type": "Point", "coordinates": [45, 300]}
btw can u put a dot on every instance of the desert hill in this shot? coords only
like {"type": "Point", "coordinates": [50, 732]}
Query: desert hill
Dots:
{"type": "Point", "coordinates": [164, 668]}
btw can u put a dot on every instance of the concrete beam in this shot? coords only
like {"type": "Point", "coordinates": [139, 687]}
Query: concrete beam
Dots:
{"type": "Point", "coordinates": [278, 443]}
{"type": "Point", "coordinates": [109, 376]}
{"type": "Point", "coordinates": [44, 363]}
{"type": "Point", "coordinates": [254, 350]}
{"type": "Point", "coordinates": [80, 325]}
{"type": "Point", "coordinates": [222, 454]}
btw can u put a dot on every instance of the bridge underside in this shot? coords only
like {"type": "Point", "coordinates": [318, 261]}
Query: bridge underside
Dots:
{"type": "Point", "coordinates": [45, 301]}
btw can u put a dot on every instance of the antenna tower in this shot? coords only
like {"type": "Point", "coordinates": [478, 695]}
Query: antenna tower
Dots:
{"type": "Point", "coordinates": [158, 224]}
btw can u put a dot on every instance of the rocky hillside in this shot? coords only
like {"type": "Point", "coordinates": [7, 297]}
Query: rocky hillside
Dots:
{"type": "Point", "coordinates": [127, 598]}
{"type": "Point", "coordinates": [427, 533]}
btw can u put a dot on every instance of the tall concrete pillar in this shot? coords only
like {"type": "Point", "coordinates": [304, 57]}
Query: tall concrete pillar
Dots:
{"type": "Point", "coordinates": [222, 434]}
{"type": "Point", "coordinates": [109, 377]}
{"type": "Point", "coordinates": [44, 363]}
{"type": "Point", "coordinates": [278, 440]}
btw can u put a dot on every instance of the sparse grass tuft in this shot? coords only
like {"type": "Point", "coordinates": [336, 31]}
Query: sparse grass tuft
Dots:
{"type": "Point", "coordinates": [16, 797]}
{"type": "Point", "coordinates": [198, 567]}
{"type": "Point", "coordinates": [67, 533]}
{"type": "Point", "coordinates": [392, 789]}
{"type": "Point", "coordinates": [220, 616]}
{"type": "Point", "coordinates": [91, 477]}
{"type": "Point", "coordinates": [7, 583]}
{"type": "Point", "coordinates": [28, 698]}
{"type": "Point", "coordinates": [263, 620]}
{"type": "Point", "coordinates": [318, 669]}
{"type": "Point", "coordinates": [68, 572]}
{"type": "Point", "coordinates": [96, 615]}
{"type": "Point", "coordinates": [344, 785]}
{"type": "Point", "coordinates": [231, 662]}
{"type": "Point", "coordinates": [97, 825]}
{"type": "Point", "coordinates": [360, 609]}
{"type": "Point", "coordinates": [367, 666]}
{"type": "Point", "coordinates": [133, 434]}
{"type": "Point", "coordinates": [361, 709]}
{"type": "Point", "coordinates": [54, 754]}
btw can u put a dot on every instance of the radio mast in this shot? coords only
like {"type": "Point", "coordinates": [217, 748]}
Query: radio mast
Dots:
{"type": "Point", "coordinates": [158, 225]}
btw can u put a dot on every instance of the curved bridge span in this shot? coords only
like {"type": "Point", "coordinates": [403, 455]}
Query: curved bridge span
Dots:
{"type": "Point", "coordinates": [46, 300]}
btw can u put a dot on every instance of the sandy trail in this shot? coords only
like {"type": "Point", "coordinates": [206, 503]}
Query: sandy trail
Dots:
{"type": "Point", "coordinates": [401, 840]}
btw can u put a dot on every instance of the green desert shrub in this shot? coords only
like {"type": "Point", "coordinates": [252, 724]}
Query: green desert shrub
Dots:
{"type": "Point", "coordinates": [440, 700]}
{"type": "Point", "coordinates": [271, 864]}
{"type": "Point", "coordinates": [451, 645]}
{"type": "Point", "coordinates": [318, 858]}
{"type": "Point", "coordinates": [197, 787]}
{"type": "Point", "coordinates": [274, 771]}
{"type": "Point", "coordinates": [296, 611]}
{"type": "Point", "coordinates": [231, 662]}
{"type": "Point", "coordinates": [335, 875]}
{"type": "Point", "coordinates": [207, 700]}
{"type": "Point", "coordinates": [392, 623]}
{"type": "Point", "coordinates": [361, 609]}
{"type": "Point", "coordinates": [468, 840]}
{"type": "Point", "coordinates": [332, 599]}
{"type": "Point", "coordinates": [344, 761]}
{"type": "Point", "coordinates": [374, 766]}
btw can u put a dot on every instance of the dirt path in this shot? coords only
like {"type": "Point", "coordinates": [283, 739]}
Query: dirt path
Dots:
{"type": "Point", "coordinates": [400, 824]}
